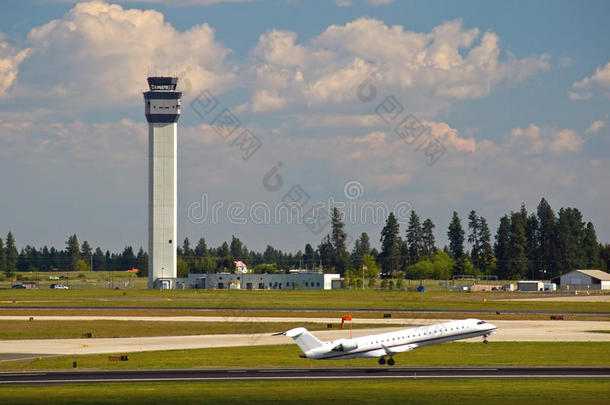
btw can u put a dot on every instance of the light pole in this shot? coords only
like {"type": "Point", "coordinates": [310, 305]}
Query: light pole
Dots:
{"type": "Point", "coordinates": [162, 277]}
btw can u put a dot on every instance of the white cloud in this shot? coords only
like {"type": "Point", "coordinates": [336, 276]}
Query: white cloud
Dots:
{"type": "Point", "coordinates": [450, 136]}
{"type": "Point", "coordinates": [10, 59]}
{"type": "Point", "coordinates": [538, 140]}
{"type": "Point", "coordinates": [344, 3]}
{"type": "Point", "coordinates": [171, 2]}
{"type": "Point", "coordinates": [595, 127]}
{"type": "Point", "coordinates": [376, 3]}
{"type": "Point", "coordinates": [98, 54]}
{"type": "Point", "coordinates": [599, 83]}
{"type": "Point", "coordinates": [427, 70]}
{"type": "Point", "coordinates": [265, 101]}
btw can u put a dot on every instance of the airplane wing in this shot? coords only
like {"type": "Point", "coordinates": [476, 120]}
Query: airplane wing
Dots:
{"type": "Point", "coordinates": [399, 349]}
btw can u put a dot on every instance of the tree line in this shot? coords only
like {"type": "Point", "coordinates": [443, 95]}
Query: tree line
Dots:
{"type": "Point", "coordinates": [534, 245]}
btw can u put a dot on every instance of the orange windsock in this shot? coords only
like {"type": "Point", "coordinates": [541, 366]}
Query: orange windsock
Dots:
{"type": "Point", "coordinates": [345, 318]}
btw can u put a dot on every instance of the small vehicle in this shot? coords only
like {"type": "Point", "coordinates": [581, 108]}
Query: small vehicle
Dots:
{"type": "Point", "coordinates": [59, 287]}
{"type": "Point", "coordinates": [18, 287]}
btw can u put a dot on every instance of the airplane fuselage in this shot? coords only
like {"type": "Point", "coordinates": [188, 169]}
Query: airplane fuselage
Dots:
{"type": "Point", "coordinates": [390, 343]}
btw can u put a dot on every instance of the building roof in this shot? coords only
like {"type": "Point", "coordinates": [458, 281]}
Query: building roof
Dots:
{"type": "Point", "coordinates": [598, 274]}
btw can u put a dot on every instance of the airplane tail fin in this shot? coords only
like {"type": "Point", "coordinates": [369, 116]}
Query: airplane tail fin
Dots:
{"type": "Point", "coordinates": [304, 339]}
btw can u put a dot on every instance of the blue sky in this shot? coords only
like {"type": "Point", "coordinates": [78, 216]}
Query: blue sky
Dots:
{"type": "Point", "coordinates": [517, 94]}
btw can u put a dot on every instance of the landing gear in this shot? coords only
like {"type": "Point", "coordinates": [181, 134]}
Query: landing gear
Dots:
{"type": "Point", "coordinates": [390, 361]}
{"type": "Point", "coordinates": [381, 361]}
{"type": "Point", "coordinates": [485, 339]}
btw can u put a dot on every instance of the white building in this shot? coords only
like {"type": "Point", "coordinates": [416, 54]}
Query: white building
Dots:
{"type": "Point", "coordinates": [585, 280]}
{"type": "Point", "coordinates": [530, 286]}
{"type": "Point", "coordinates": [249, 281]}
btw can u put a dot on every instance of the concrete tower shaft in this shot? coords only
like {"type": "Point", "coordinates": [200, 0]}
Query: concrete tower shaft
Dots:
{"type": "Point", "coordinates": [162, 108]}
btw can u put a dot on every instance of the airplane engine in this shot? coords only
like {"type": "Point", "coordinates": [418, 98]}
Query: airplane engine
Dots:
{"type": "Point", "coordinates": [345, 345]}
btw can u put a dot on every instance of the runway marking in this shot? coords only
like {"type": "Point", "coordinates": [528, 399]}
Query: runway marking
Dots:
{"type": "Point", "coordinates": [25, 358]}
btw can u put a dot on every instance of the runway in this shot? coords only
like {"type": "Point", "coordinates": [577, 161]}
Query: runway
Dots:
{"type": "Point", "coordinates": [288, 374]}
{"type": "Point", "coordinates": [508, 331]}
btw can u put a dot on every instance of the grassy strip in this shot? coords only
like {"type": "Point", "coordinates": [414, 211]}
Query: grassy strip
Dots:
{"type": "Point", "coordinates": [291, 298]}
{"type": "Point", "coordinates": [116, 329]}
{"type": "Point", "coordinates": [292, 314]}
{"type": "Point", "coordinates": [449, 354]}
{"type": "Point", "coordinates": [556, 392]}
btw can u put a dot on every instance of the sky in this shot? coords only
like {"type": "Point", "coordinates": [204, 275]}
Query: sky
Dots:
{"type": "Point", "coordinates": [368, 105]}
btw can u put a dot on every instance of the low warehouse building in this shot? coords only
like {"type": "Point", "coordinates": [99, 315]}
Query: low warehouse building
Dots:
{"type": "Point", "coordinates": [292, 281]}
{"type": "Point", "coordinates": [530, 286]}
{"type": "Point", "coordinates": [585, 280]}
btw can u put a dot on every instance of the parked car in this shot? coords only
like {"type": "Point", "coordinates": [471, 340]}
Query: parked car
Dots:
{"type": "Point", "coordinates": [59, 287]}
{"type": "Point", "coordinates": [19, 287]}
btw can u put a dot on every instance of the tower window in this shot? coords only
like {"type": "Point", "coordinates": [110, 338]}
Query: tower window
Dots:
{"type": "Point", "coordinates": [170, 241]}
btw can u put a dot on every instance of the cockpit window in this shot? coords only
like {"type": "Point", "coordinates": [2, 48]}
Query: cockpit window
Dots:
{"type": "Point", "coordinates": [480, 322]}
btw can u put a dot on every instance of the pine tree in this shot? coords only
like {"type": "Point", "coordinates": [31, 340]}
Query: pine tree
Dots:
{"type": "Point", "coordinates": [99, 260]}
{"type": "Point", "coordinates": [326, 252]}
{"type": "Point", "coordinates": [187, 252]}
{"type": "Point", "coordinates": [309, 258]}
{"type": "Point", "coordinates": [73, 252]}
{"type": "Point", "coordinates": [517, 265]}
{"type": "Point", "coordinates": [590, 247]}
{"type": "Point", "coordinates": [362, 246]}
{"type": "Point", "coordinates": [570, 233]}
{"type": "Point", "coordinates": [456, 237]}
{"type": "Point", "coordinates": [390, 246]}
{"type": "Point", "coordinates": [201, 250]}
{"type": "Point", "coordinates": [486, 257]}
{"type": "Point", "coordinates": [12, 254]}
{"type": "Point", "coordinates": [604, 256]}
{"type": "Point", "coordinates": [532, 250]}
{"type": "Point", "coordinates": [87, 254]}
{"type": "Point", "coordinates": [473, 239]}
{"type": "Point", "coordinates": [128, 259]}
{"type": "Point", "coordinates": [428, 237]}
{"type": "Point", "coordinates": [547, 239]}
{"type": "Point", "coordinates": [414, 238]}
{"type": "Point", "coordinates": [365, 243]}
{"type": "Point", "coordinates": [142, 262]}
{"type": "Point", "coordinates": [2, 256]}
{"type": "Point", "coordinates": [338, 237]}
{"type": "Point", "coordinates": [223, 250]}
{"type": "Point", "coordinates": [501, 248]}
{"type": "Point", "coordinates": [237, 248]}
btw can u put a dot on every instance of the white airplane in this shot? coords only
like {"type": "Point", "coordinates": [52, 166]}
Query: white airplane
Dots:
{"type": "Point", "coordinates": [390, 343]}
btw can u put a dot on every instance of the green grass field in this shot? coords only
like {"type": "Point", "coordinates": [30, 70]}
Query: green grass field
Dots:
{"type": "Point", "coordinates": [290, 299]}
{"type": "Point", "coordinates": [448, 354]}
{"type": "Point", "coordinates": [555, 392]}
{"type": "Point", "coordinates": [115, 329]}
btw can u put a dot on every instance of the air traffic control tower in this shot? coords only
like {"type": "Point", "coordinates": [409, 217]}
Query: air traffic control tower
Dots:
{"type": "Point", "coordinates": [162, 106]}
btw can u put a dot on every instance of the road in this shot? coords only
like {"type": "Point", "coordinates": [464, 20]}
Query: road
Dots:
{"type": "Point", "coordinates": [268, 374]}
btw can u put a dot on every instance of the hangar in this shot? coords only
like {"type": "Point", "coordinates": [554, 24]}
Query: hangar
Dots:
{"type": "Point", "coordinates": [585, 280]}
